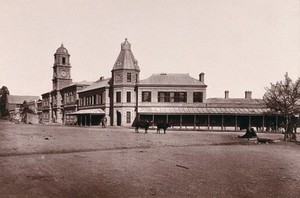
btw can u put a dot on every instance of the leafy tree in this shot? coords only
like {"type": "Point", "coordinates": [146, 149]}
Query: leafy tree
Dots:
{"type": "Point", "coordinates": [283, 98]}
{"type": "Point", "coordinates": [4, 92]}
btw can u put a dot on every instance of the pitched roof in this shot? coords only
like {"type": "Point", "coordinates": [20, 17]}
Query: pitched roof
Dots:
{"type": "Point", "coordinates": [78, 83]}
{"type": "Point", "coordinates": [14, 99]}
{"type": "Point", "coordinates": [235, 102]}
{"type": "Point", "coordinates": [126, 59]}
{"type": "Point", "coordinates": [96, 85]}
{"type": "Point", "coordinates": [171, 79]}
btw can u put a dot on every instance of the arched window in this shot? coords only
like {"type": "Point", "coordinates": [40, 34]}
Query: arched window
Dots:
{"type": "Point", "coordinates": [63, 60]}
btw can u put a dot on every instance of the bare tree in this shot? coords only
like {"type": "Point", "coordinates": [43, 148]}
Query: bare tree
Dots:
{"type": "Point", "coordinates": [283, 98]}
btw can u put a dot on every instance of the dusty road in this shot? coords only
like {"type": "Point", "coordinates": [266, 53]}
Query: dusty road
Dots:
{"type": "Point", "coordinates": [60, 161]}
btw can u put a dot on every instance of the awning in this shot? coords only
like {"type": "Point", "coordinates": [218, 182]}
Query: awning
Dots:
{"type": "Point", "coordinates": [203, 110]}
{"type": "Point", "coordinates": [88, 111]}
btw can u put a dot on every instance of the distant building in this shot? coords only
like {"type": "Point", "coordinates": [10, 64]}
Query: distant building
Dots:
{"type": "Point", "coordinates": [15, 102]}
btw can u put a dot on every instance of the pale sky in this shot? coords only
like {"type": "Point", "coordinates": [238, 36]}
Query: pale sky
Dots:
{"type": "Point", "coordinates": [240, 45]}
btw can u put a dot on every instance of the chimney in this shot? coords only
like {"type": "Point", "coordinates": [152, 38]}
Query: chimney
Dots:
{"type": "Point", "coordinates": [101, 78]}
{"type": "Point", "coordinates": [248, 94]}
{"type": "Point", "coordinates": [226, 94]}
{"type": "Point", "coordinates": [201, 77]}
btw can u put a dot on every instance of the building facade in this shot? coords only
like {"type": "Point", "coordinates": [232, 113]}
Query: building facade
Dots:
{"type": "Point", "coordinates": [14, 104]}
{"type": "Point", "coordinates": [123, 99]}
{"type": "Point", "coordinates": [62, 100]}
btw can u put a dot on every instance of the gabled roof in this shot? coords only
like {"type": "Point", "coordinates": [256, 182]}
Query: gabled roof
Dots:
{"type": "Point", "coordinates": [14, 99]}
{"type": "Point", "coordinates": [96, 85]}
{"type": "Point", "coordinates": [171, 79]}
{"type": "Point", "coordinates": [126, 59]}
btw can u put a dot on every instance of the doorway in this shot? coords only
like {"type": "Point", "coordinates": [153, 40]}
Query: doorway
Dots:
{"type": "Point", "coordinates": [119, 118]}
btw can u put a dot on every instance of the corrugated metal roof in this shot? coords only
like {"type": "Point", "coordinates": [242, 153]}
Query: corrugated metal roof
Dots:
{"type": "Point", "coordinates": [171, 79]}
{"type": "Point", "coordinates": [88, 111]}
{"type": "Point", "coordinates": [14, 99]}
{"type": "Point", "coordinates": [96, 85]}
{"type": "Point", "coordinates": [234, 101]}
{"type": "Point", "coordinates": [78, 83]}
{"type": "Point", "coordinates": [81, 83]}
{"type": "Point", "coordinates": [203, 110]}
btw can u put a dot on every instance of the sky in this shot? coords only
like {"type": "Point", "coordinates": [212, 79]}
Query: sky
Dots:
{"type": "Point", "coordinates": [240, 45]}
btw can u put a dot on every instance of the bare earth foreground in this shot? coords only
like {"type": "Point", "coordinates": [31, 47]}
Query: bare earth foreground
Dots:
{"type": "Point", "coordinates": [61, 161]}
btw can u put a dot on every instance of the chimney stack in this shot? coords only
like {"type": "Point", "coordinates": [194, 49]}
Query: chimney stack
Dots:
{"type": "Point", "coordinates": [248, 94]}
{"type": "Point", "coordinates": [101, 78]}
{"type": "Point", "coordinates": [226, 94]}
{"type": "Point", "coordinates": [201, 77]}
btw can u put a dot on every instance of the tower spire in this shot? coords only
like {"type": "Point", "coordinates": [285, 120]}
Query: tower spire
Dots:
{"type": "Point", "coordinates": [126, 59]}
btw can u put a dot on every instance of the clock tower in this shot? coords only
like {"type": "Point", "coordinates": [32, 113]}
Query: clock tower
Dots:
{"type": "Point", "coordinates": [61, 68]}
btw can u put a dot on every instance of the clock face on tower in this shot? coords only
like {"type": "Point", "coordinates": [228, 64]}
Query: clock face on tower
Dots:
{"type": "Point", "coordinates": [63, 73]}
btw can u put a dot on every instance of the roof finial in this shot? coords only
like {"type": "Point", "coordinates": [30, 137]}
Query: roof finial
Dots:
{"type": "Point", "coordinates": [126, 45]}
{"type": "Point", "coordinates": [62, 44]}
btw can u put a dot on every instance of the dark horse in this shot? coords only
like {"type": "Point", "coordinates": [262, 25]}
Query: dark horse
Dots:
{"type": "Point", "coordinates": [163, 126]}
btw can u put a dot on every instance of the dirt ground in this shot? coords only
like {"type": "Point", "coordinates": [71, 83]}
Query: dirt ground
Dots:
{"type": "Point", "coordinates": [62, 161]}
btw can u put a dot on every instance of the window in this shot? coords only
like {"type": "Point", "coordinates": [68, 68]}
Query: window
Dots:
{"type": "Point", "coordinates": [128, 77]}
{"type": "Point", "coordinates": [180, 97]}
{"type": "Point", "coordinates": [128, 117]}
{"type": "Point", "coordinates": [63, 60]}
{"type": "Point", "coordinates": [163, 96]}
{"type": "Point", "coordinates": [118, 99]}
{"type": "Point", "coordinates": [94, 99]}
{"type": "Point", "coordinates": [198, 97]}
{"type": "Point", "coordinates": [100, 101]}
{"type": "Point", "coordinates": [128, 96]}
{"type": "Point", "coordinates": [146, 96]}
{"type": "Point", "coordinates": [172, 97]}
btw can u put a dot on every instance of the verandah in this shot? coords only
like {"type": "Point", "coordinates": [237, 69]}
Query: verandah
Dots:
{"type": "Point", "coordinates": [216, 122]}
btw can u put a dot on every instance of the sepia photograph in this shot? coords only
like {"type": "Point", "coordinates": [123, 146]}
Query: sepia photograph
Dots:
{"type": "Point", "coordinates": [149, 98]}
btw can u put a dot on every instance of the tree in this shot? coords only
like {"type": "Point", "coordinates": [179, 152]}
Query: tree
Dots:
{"type": "Point", "coordinates": [4, 92]}
{"type": "Point", "coordinates": [283, 98]}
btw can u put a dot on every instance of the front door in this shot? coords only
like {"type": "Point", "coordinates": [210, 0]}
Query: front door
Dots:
{"type": "Point", "coordinates": [119, 118]}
